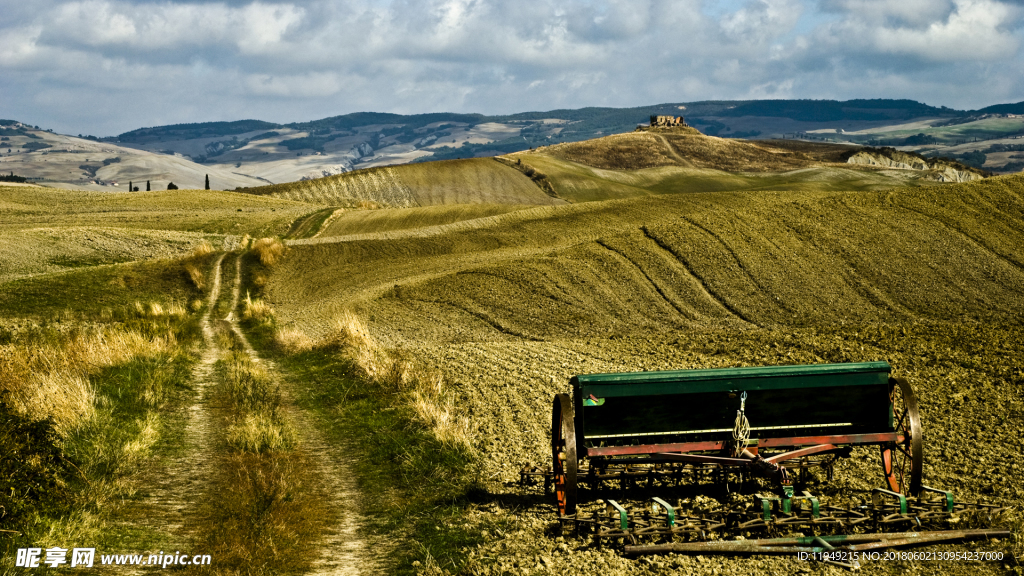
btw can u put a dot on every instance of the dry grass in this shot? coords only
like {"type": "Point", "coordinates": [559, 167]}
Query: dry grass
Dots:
{"type": "Point", "coordinates": [204, 248]}
{"type": "Point", "coordinates": [293, 340]}
{"type": "Point", "coordinates": [269, 250]}
{"type": "Point", "coordinates": [260, 432]}
{"type": "Point", "coordinates": [193, 264]}
{"type": "Point", "coordinates": [257, 425]}
{"type": "Point", "coordinates": [256, 310]}
{"type": "Point", "coordinates": [265, 515]}
{"type": "Point", "coordinates": [395, 373]}
{"type": "Point", "coordinates": [196, 275]}
{"type": "Point", "coordinates": [49, 377]}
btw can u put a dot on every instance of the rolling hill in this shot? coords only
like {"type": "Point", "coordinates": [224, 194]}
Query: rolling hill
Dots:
{"type": "Point", "coordinates": [249, 153]}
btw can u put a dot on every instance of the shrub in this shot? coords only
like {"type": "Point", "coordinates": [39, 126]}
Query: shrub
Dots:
{"type": "Point", "coordinates": [293, 340]}
{"type": "Point", "coordinates": [257, 310]}
{"type": "Point", "coordinates": [269, 250]}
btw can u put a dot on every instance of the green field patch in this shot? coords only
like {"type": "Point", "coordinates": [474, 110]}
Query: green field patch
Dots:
{"type": "Point", "coordinates": [92, 290]}
{"type": "Point", "coordinates": [208, 211]}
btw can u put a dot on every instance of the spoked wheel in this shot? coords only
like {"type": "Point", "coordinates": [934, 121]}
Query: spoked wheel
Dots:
{"type": "Point", "coordinates": [902, 460]}
{"type": "Point", "coordinates": [563, 452]}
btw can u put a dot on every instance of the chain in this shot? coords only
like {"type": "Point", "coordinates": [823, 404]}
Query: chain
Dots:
{"type": "Point", "coordinates": [741, 429]}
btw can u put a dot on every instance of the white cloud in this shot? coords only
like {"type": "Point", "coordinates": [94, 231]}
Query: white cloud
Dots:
{"type": "Point", "coordinates": [293, 60]}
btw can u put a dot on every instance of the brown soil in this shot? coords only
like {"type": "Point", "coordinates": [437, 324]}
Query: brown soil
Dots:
{"type": "Point", "coordinates": [927, 279]}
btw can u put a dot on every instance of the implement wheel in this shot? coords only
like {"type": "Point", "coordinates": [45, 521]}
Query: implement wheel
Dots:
{"type": "Point", "coordinates": [902, 460]}
{"type": "Point", "coordinates": [563, 452]}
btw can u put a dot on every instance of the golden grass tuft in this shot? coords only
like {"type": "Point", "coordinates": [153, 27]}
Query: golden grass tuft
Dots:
{"type": "Point", "coordinates": [176, 309]}
{"type": "Point", "coordinates": [257, 310]}
{"type": "Point", "coordinates": [195, 275]}
{"type": "Point", "coordinates": [260, 432]}
{"type": "Point", "coordinates": [269, 250]}
{"type": "Point", "coordinates": [49, 378]}
{"type": "Point", "coordinates": [204, 248]}
{"type": "Point", "coordinates": [293, 340]}
{"type": "Point", "coordinates": [436, 408]}
{"type": "Point", "coordinates": [394, 373]}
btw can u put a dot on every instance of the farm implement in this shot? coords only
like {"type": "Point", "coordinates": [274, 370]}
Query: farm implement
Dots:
{"type": "Point", "coordinates": [761, 433]}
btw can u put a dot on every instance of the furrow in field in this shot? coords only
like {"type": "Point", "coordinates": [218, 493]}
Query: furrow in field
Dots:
{"type": "Point", "coordinates": [688, 314]}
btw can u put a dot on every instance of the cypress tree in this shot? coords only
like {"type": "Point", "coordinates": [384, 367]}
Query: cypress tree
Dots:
{"type": "Point", "coordinates": [130, 189]}
{"type": "Point", "coordinates": [147, 185]}
{"type": "Point", "coordinates": [207, 181]}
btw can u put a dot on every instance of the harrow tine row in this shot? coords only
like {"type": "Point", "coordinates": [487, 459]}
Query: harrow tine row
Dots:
{"type": "Point", "coordinates": [770, 514]}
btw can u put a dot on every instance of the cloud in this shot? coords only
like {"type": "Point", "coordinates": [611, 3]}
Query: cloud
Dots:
{"type": "Point", "coordinates": [965, 30]}
{"type": "Point", "coordinates": [105, 66]}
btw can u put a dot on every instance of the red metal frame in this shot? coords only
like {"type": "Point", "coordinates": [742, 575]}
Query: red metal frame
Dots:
{"type": "Point", "coordinates": [721, 445]}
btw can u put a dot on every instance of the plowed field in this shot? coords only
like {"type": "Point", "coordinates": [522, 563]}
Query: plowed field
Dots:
{"type": "Point", "coordinates": [929, 279]}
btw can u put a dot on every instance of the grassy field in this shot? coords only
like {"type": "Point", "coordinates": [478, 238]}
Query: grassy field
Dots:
{"type": "Point", "coordinates": [207, 211]}
{"type": "Point", "coordinates": [46, 231]}
{"type": "Point", "coordinates": [410, 325]}
{"type": "Point", "coordinates": [345, 223]}
{"type": "Point", "coordinates": [926, 278]}
{"type": "Point", "coordinates": [478, 180]}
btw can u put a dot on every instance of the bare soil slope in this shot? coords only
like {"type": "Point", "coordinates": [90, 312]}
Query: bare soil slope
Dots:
{"type": "Point", "coordinates": [664, 262]}
{"type": "Point", "coordinates": [926, 278]}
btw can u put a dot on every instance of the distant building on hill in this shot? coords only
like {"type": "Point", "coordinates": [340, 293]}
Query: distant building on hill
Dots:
{"type": "Point", "coordinates": [667, 121]}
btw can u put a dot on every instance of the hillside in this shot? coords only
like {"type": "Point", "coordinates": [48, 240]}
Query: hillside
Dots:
{"type": "Point", "coordinates": [508, 311]}
{"type": "Point", "coordinates": [684, 161]}
{"type": "Point", "coordinates": [467, 181]}
{"type": "Point", "coordinates": [726, 251]}
{"type": "Point", "coordinates": [247, 153]}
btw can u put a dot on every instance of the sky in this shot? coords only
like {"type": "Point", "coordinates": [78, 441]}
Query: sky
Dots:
{"type": "Point", "coordinates": [104, 67]}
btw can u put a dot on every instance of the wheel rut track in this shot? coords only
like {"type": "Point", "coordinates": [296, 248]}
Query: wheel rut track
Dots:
{"type": "Point", "coordinates": [683, 313]}
{"type": "Point", "coordinates": [172, 489]}
{"type": "Point", "coordinates": [344, 553]}
{"type": "Point", "coordinates": [700, 281]}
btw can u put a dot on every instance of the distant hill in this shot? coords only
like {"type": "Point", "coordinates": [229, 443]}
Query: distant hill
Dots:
{"type": "Point", "coordinates": [192, 131]}
{"type": "Point", "coordinates": [580, 124]}
{"type": "Point", "coordinates": [1017, 108]}
{"type": "Point", "coordinates": [252, 152]}
{"type": "Point", "coordinates": [836, 111]}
